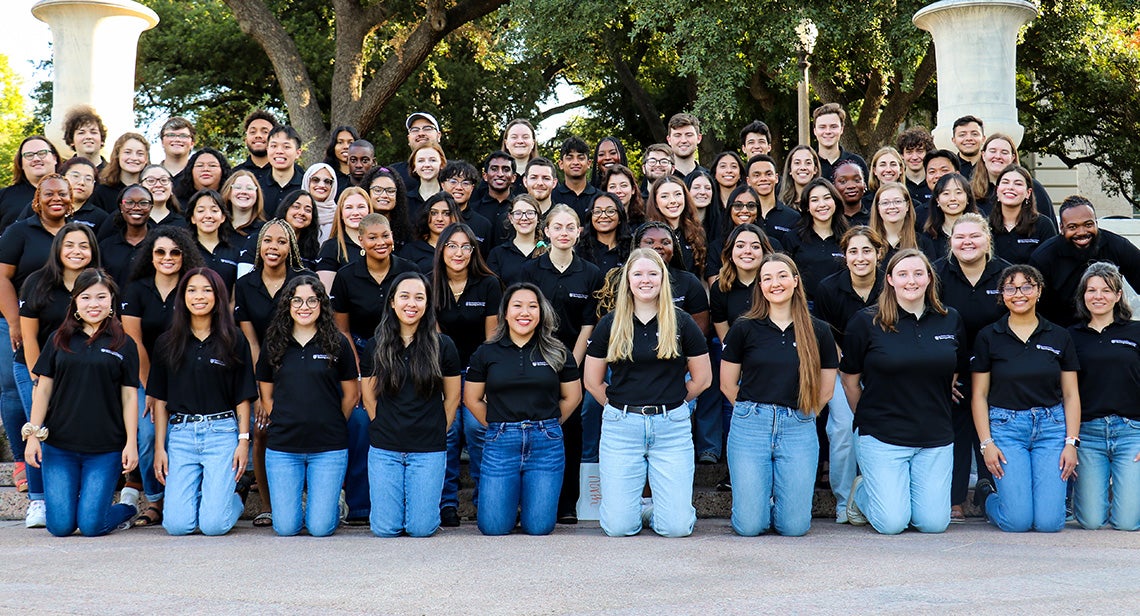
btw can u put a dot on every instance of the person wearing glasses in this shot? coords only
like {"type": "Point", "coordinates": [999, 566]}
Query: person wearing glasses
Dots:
{"type": "Point", "coordinates": [177, 143]}
{"type": "Point", "coordinates": [120, 238]}
{"type": "Point", "coordinates": [81, 174]}
{"type": "Point", "coordinates": [1027, 409]}
{"type": "Point", "coordinates": [423, 129]}
{"type": "Point", "coordinates": [390, 197]}
{"type": "Point", "coordinates": [459, 179]}
{"type": "Point", "coordinates": [507, 259]}
{"type": "Point", "coordinates": [209, 169]}
{"type": "Point", "coordinates": [658, 163]}
{"type": "Point", "coordinates": [605, 239]}
{"type": "Point", "coordinates": [166, 210]}
{"type": "Point", "coordinates": [320, 181]}
{"type": "Point", "coordinates": [437, 213]}
{"type": "Point", "coordinates": [37, 158]}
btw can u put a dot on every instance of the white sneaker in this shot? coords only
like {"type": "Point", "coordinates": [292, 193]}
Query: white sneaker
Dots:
{"type": "Point", "coordinates": [37, 515]}
{"type": "Point", "coordinates": [854, 514]}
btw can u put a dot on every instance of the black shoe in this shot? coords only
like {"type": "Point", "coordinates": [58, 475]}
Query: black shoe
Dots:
{"type": "Point", "coordinates": [568, 518]}
{"type": "Point", "coordinates": [243, 486]}
{"type": "Point", "coordinates": [725, 485]}
{"type": "Point", "coordinates": [982, 490]}
{"type": "Point", "coordinates": [708, 458]}
{"type": "Point", "coordinates": [448, 517]}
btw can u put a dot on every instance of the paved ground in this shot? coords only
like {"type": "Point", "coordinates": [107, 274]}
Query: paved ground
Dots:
{"type": "Point", "coordinates": [973, 568]}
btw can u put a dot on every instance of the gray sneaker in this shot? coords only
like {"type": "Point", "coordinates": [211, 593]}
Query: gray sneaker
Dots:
{"type": "Point", "coordinates": [854, 514]}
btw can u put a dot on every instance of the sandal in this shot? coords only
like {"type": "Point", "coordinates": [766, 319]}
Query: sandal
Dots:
{"type": "Point", "coordinates": [957, 515]}
{"type": "Point", "coordinates": [20, 477]}
{"type": "Point", "coordinates": [265, 518]}
{"type": "Point", "coordinates": [151, 516]}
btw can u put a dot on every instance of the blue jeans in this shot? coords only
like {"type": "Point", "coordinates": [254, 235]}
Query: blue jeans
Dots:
{"type": "Point", "coordinates": [841, 449]}
{"type": "Point", "coordinates": [634, 446]}
{"type": "Point", "coordinates": [356, 476]}
{"type": "Point", "coordinates": [11, 411]}
{"type": "Point", "coordinates": [1108, 447]}
{"type": "Point", "coordinates": [708, 422]}
{"type": "Point", "coordinates": [1030, 494]}
{"type": "Point", "coordinates": [772, 455]}
{"type": "Point", "coordinates": [465, 429]}
{"type": "Point", "coordinates": [292, 474]}
{"type": "Point", "coordinates": [79, 490]}
{"type": "Point", "coordinates": [405, 490]}
{"type": "Point", "coordinates": [523, 464]}
{"type": "Point", "coordinates": [23, 380]}
{"type": "Point", "coordinates": [904, 486]}
{"type": "Point", "coordinates": [591, 427]}
{"type": "Point", "coordinates": [153, 488]}
{"type": "Point", "coordinates": [200, 483]}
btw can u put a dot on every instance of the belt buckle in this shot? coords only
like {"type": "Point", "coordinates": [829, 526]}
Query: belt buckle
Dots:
{"type": "Point", "coordinates": [195, 418]}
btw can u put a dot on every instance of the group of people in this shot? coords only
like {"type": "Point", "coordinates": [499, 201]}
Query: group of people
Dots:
{"type": "Point", "coordinates": [336, 336]}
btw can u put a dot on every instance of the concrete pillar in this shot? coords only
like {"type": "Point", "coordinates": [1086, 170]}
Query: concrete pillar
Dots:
{"type": "Point", "coordinates": [94, 46]}
{"type": "Point", "coordinates": [975, 43]}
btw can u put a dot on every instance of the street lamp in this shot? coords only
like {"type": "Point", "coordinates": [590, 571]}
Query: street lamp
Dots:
{"type": "Point", "coordinates": [807, 33]}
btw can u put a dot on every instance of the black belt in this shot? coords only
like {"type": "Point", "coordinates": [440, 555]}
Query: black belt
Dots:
{"type": "Point", "coordinates": [178, 418]}
{"type": "Point", "coordinates": [651, 409]}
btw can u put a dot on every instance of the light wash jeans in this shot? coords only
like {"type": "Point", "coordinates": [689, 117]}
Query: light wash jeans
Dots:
{"type": "Point", "coordinates": [1030, 495]}
{"type": "Point", "coordinates": [772, 455]}
{"type": "Point", "coordinates": [523, 464]}
{"type": "Point", "coordinates": [79, 491]}
{"type": "Point", "coordinates": [1108, 447]}
{"type": "Point", "coordinates": [200, 484]}
{"type": "Point", "coordinates": [290, 475]}
{"type": "Point", "coordinates": [841, 440]}
{"type": "Point", "coordinates": [904, 486]}
{"type": "Point", "coordinates": [405, 489]}
{"type": "Point", "coordinates": [635, 446]}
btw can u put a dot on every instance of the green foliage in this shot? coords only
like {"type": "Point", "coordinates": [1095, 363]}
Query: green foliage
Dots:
{"type": "Point", "coordinates": [15, 121]}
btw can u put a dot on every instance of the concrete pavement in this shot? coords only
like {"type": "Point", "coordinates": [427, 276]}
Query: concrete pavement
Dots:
{"type": "Point", "coordinates": [973, 568]}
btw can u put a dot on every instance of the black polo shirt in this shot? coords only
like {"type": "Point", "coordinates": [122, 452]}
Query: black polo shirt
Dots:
{"type": "Point", "coordinates": [779, 222]}
{"type": "Point", "coordinates": [1024, 375]}
{"type": "Point", "coordinates": [979, 305]}
{"type": "Point", "coordinates": [816, 258]}
{"type": "Point", "coordinates": [142, 300]}
{"type": "Point", "coordinates": [826, 167]}
{"type": "Point", "coordinates": [495, 212]}
{"type": "Point", "coordinates": [481, 227]}
{"type": "Point", "coordinates": [272, 192]}
{"type": "Point", "coordinates": [250, 166]}
{"type": "Point", "coordinates": [50, 313]}
{"type": "Point", "coordinates": [580, 203]}
{"type": "Point", "coordinates": [643, 379]}
{"type": "Point", "coordinates": [924, 244]}
{"type": "Point", "coordinates": [329, 259]}
{"type": "Point", "coordinates": [408, 422]}
{"type": "Point", "coordinates": [85, 410]}
{"type": "Point", "coordinates": [920, 194]}
{"type": "Point", "coordinates": [605, 258]}
{"type": "Point", "coordinates": [519, 384]}
{"type": "Point", "coordinates": [1110, 369]}
{"type": "Point", "coordinates": [687, 258]}
{"type": "Point", "coordinates": [1063, 265]}
{"type": "Point", "coordinates": [1017, 248]}
{"type": "Point", "coordinates": [862, 217]}
{"type": "Point", "coordinates": [13, 200]}
{"type": "Point", "coordinates": [906, 375]}
{"type": "Point", "coordinates": [252, 302]}
{"type": "Point", "coordinates": [356, 293]}
{"type": "Point", "coordinates": [421, 254]}
{"type": "Point", "coordinates": [836, 301]}
{"type": "Point", "coordinates": [306, 414]}
{"type": "Point", "coordinates": [570, 293]}
{"type": "Point", "coordinates": [91, 216]}
{"type": "Point", "coordinates": [713, 261]}
{"type": "Point", "coordinates": [465, 319]}
{"type": "Point", "coordinates": [507, 261]}
{"type": "Point", "coordinates": [27, 245]}
{"type": "Point", "coordinates": [119, 256]}
{"type": "Point", "coordinates": [224, 260]}
{"type": "Point", "coordinates": [205, 382]}
{"type": "Point", "coordinates": [688, 292]}
{"type": "Point", "coordinates": [769, 361]}
{"type": "Point", "coordinates": [1041, 200]}
{"type": "Point", "coordinates": [727, 307]}
{"type": "Point", "coordinates": [941, 243]}
{"type": "Point", "coordinates": [246, 241]}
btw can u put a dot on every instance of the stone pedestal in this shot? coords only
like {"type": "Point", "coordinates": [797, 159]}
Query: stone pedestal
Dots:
{"type": "Point", "coordinates": [94, 46]}
{"type": "Point", "coordinates": [975, 43]}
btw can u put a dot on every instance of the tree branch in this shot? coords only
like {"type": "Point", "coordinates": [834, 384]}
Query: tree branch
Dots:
{"type": "Point", "coordinates": [557, 109]}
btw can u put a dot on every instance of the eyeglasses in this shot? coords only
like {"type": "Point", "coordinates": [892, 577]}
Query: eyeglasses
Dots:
{"type": "Point", "coordinates": [158, 181]}
{"type": "Point", "coordinates": [741, 206]}
{"type": "Point", "coordinates": [464, 248]}
{"type": "Point", "coordinates": [421, 129]}
{"type": "Point", "coordinates": [658, 162]}
{"type": "Point", "coordinates": [324, 181]}
{"type": "Point", "coordinates": [524, 215]}
{"type": "Point", "coordinates": [1026, 289]}
{"type": "Point", "coordinates": [457, 182]}
{"type": "Point", "coordinates": [606, 212]}
{"type": "Point", "coordinates": [80, 178]}
{"type": "Point", "coordinates": [249, 188]}
{"type": "Point", "coordinates": [178, 136]}
{"type": "Point", "coordinates": [893, 202]}
{"type": "Point", "coordinates": [309, 302]}
{"type": "Point", "coordinates": [138, 205]}
{"type": "Point", "coordinates": [201, 165]}
{"type": "Point", "coordinates": [36, 154]}
{"type": "Point", "coordinates": [380, 190]}
{"type": "Point", "coordinates": [162, 252]}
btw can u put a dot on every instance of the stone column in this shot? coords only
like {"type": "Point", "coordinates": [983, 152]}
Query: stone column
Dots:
{"type": "Point", "coordinates": [94, 46]}
{"type": "Point", "coordinates": [975, 43]}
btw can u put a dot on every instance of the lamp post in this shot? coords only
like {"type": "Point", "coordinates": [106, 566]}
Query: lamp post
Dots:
{"type": "Point", "coordinates": [807, 33]}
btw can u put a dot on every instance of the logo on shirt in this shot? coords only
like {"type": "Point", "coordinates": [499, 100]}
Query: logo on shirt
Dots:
{"type": "Point", "coordinates": [227, 261]}
{"type": "Point", "coordinates": [217, 362]}
{"type": "Point", "coordinates": [779, 228]}
{"type": "Point", "coordinates": [1045, 347]}
{"type": "Point", "coordinates": [323, 356]}
{"type": "Point", "coordinates": [85, 222]}
{"type": "Point", "coordinates": [110, 352]}
{"type": "Point", "coordinates": [579, 296]}
{"type": "Point", "coordinates": [1124, 342]}
{"type": "Point", "coordinates": [475, 304]}
{"type": "Point", "coordinates": [992, 291]}
{"type": "Point", "coordinates": [945, 337]}
{"type": "Point", "coordinates": [538, 364]}
{"type": "Point", "coordinates": [678, 299]}
{"type": "Point", "coordinates": [837, 255]}
{"type": "Point", "coordinates": [1028, 240]}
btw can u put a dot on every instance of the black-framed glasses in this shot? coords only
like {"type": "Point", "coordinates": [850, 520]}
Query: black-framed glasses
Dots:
{"type": "Point", "coordinates": [380, 190]}
{"type": "Point", "coordinates": [138, 205]}
{"type": "Point", "coordinates": [606, 212]}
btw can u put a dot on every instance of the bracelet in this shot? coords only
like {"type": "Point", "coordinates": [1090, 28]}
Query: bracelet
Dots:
{"type": "Point", "coordinates": [31, 429]}
{"type": "Point", "coordinates": [982, 446]}
{"type": "Point", "coordinates": [244, 436]}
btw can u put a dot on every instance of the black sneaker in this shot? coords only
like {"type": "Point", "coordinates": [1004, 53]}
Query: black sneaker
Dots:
{"type": "Point", "coordinates": [725, 485]}
{"type": "Point", "coordinates": [982, 490]}
{"type": "Point", "coordinates": [448, 517]}
{"type": "Point", "coordinates": [568, 518]}
{"type": "Point", "coordinates": [708, 458]}
{"type": "Point", "coordinates": [243, 486]}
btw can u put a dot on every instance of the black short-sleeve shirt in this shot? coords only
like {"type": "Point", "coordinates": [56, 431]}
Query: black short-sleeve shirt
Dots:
{"type": "Point", "coordinates": [769, 361]}
{"type": "Point", "coordinates": [1024, 375]}
{"type": "Point", "coordinates": [85, 409]}
{"type": "Point", "coordinates": [420, 253]}
{"type": "Point", "coordinates": [519, 384]}
{"type": "Point", "coordinates": [816, 258]}
{"type": "Point", "coordinates": [1017, 248]}
{"type": "Point", "coordinates": [727, 307]}
{"type": "Point", "coordinates": [1110, 369]}
{"type": "Point", "coordinates": [306, 414]}
{"type": "Point", "coordinates": [224, 260]}
{"type": "Point", "coordinates": [27, 245]}
{"type": "Point", "coordinates": [507, 261]}
{"type": "Point", "coordinates": [50, 311]}
{"type": "Point", "coordinates": [118, 256]}
{"type": "Point", "coordinates": [481, 227]}
{"type": "Point", "coordinates": [779, 222]}
{"type": "Point", "coordinates": [836, 301]}
{"type": "Point", "coordinates": [906, 375]}
{"type": "Point", "coordinates": [205, 381]}
{"type": "Point", "coordinates": [143, 300]}
{"type": "Point", "coordinates": [329, 259]}
{"type": "Point", "coordinates": [254, 304]}
{"type": "Point", "coordinates": [407, 422]}
{"type": "Point", "coordinates": [978, 304]}
{"type": "Point", "coordinates": [465, 319]}
{"type": "Point", "coordinates": [356, 293]}
{"type": "Point", "coordinates": [13, 200]}
{"type": "Point", "coordinates": [688, 292]}
{"type": "Point", "coordinates": [570, 293]}
{"type": "Point", "coordinates": [643, 379]}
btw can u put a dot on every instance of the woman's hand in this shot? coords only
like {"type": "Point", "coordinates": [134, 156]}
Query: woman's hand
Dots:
{"type": "Point", "coordinates": [130, 457]}
{"type": "Point", "coordinates": [161, 464]}
{"type": "Point", "coordinates": [148, 408]}
{"type": "Point", "coordinates": [994, 460]}
{"type": "Point", "coordinates": [241, 456]}
{"type": "Point", "coordinates": [17, 338]}
{"type": "Point", "coordinates": [260, 416]}
{"type": "Point", "coordinates": [1068, 463]}
{"type": "Point", "coordinates": [956, 392]}
{"type": "Point", "coordinates": [32, 453]}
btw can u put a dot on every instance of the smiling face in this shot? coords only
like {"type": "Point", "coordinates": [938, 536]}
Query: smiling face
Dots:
{"type": "Point", "coordinates": [968, 139]}
{"type": "Point", "coordinates": [524, 218]}
{"type": "Point", "coordinates": [909, 279]}
{"type": "Point", "coordinates": [321, 185]}
{"type": "Point", "coordinates": [500, 174]}
{"type": "Point", "coordinates": [756, 143]}
{"type": "Point", "coordinates": [803, 168]}
{"type": "Point", "coordinates": [207, 215]}
{"type": "Point", "coordinates": [861, 257]}
{"type": "Point", "coordinates": [893, 205]}
{"type": "Point", "coordinates": [257, 137]}
{"type": "Point", "coordinates": [243, 194]}
{"type": "Point", "coordinates": [620, 185]}
{"type": "Point", "coordinates": [1020, 294]}
{"type": "Point", "coordinates": [158, 182]}
{"type": "Point", "coordinates": [422, 132]}
{"type": "Point", "coordinates": [75, 251]}
{"type": "Point", "coordinates": [274, 248]}
{"type": "Point", "coordinates": [670, 199]}
{"type": "Point", "coordinates": [340, 150]}
{"type": "Point", "coordinates": [135, 207]}
{"type": "Point", "coordinates": [684, 141]}
{"type": "Point", "coordinates": [997, 156]}
{"type": "Point", "coordinates": [660, 241]}
{"type": "Point", "coordinates": [377, 242]}
{"type": "Point", "coordinates": [87, 140]}
{"type": "Point", "coordinates": [409, 300]}
{"type": "Point", "coordinates": [1100, 298]}
{"type": "Point", "coordinates": [762, 178]}
{"type": "Point", "coordinates": [645, 280]}
{"type": "Point", "coordinates": [207, 172]}
{"type": "Point", "coordinates": [519, 142]}
{"type": "Point", "coordinates": [460, 189]}
{"type": "Point", "coordinates": [575, 165]}
{"type": "Point", "coordinates": [727, 172]}
{"type": "Point", "coordinates": [133, 156]}
{"type": "Point", "coordinates": [199, 296]}
{"type": "Point", "coordinates": [608, 155]}
{"type": "Point", "coordinates": [562, 230]}
{"type": "Point", "coordinates": [747, 250]}
{"type": "Point", "coordinates": [166, 257]}
{"type": "Point", "coordinates": [828, 128]}
{"type": "Point", "coordinates": [969, 243]}
{"type": "Point", "coordinates": [283, 151]}
{"type": "Point", "coordinates": [1012, 189]}
{"type": "Point", "coordinates": [539, 182]}
{"type": "Point", "coordinates": [383, 193]}
{"type": "Point", "coordinates": [94, 304]}
{"type": "Point", "coordinates": [821, 204]}
{"type": "Point", "coordinates": [304, 306]}
{"type": "Point", "coordinates": [936, 168]}
{"type": "Point", "coordinates": [913, 158]}
{"type": "Point", "coordinates": [1078, 226]}
{"type": "Point", "coordinates": [744, 208]}
{"type": "Point", "coordinates": [353, 210]}
{"type": "Point", "coordinates": [604, 215]}
{"type": "Point", "coordinates": [37, 160]}
{"type": "Point", "coordinates": [427, 164]}
{"type": "Point", "coordinates": [777, 282]}
{"type": "Point", "coordinates": [457, 252]}
{"type": "Point", "coordinates": [953, 199]}
{"type": "Point", "coordinates": [887, 169]}
{"type": "Point", "coordinates": [701, 191]}
{"type": "Point", "coordinates": [523, 313]}
{"type": "Point", "coordinates": [300, 212]}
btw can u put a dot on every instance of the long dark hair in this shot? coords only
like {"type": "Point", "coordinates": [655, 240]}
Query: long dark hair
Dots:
{"type": "Point", "coordinates": [1027, 215]}
{"type": "Point", "coordinates": [422, 230]}
{"type": "Point", "coordinates": [51, 274]}
{"type": "Point", "coordinates": [309, 238]}
{"type": "Point", "coordinates": [223, 331]}
{"type": "Point", "coordinates": [548, 345]}
{"type": "Point", "coordinates": [191, 257]}
{"type": "Point", "coordinates": [186, 186]}
{"type": "Point", "coordinates": [635, 210]}
{"type": "Point", "coordinates": [398, 218]}
{"type": "Point", "coordinates": [935, 217]}
{"type": "Point", "coordinates": [476, 268]}
{"type": "Point", "coordinates": [729, 221]}
{"type": "Point", "coordinates": [838, 222]}
{"type": "Point", "coordinates": [422, 367]}
{"type": "Point", "coordinates": [596, 174]}
{"type": "Point", "coordinates": [588, 246]}
{"type": "Point", "coordinates": [712, 173]}
{"type": "Point", "coordinates": [728, 273]}
{"type": "Point", "coordinates": [330, 150]}
{"type": "Point", "coordinates": [110, 325]}
{"type": "Point", "coordinates": [280, 330]}
{"type": "Point", "coordinates": [225, 228]}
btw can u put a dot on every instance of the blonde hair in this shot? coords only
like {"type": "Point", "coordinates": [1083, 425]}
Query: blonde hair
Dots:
{"type": "Point", "coordinates": [908, 235]}
{"type": "Point", "coordinates": [977, 219]}
{"type": "Point", "coordinates": [621, 335]}
{"type": "Point", "coordinates": [338, 230]}
{"type": "Point", "coordinates": [888, 315]}
{"type": "Point", "coordinates": [873, 181]}
{"type": "Point", "coordinates": [228, 189]}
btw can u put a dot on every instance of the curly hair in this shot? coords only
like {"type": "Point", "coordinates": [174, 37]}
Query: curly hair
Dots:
{"type": "Point", "coordinates": [279, 334]}
{"type": "Point", "coordinates": [191, 256]}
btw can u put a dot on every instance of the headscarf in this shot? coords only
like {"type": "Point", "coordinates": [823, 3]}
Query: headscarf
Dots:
{"type": "Point", "coordinates": [325, 211]}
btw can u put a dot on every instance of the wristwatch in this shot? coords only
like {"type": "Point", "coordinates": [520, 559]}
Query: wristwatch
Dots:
{"type": "Point", "coordinates": [1075, 441]}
